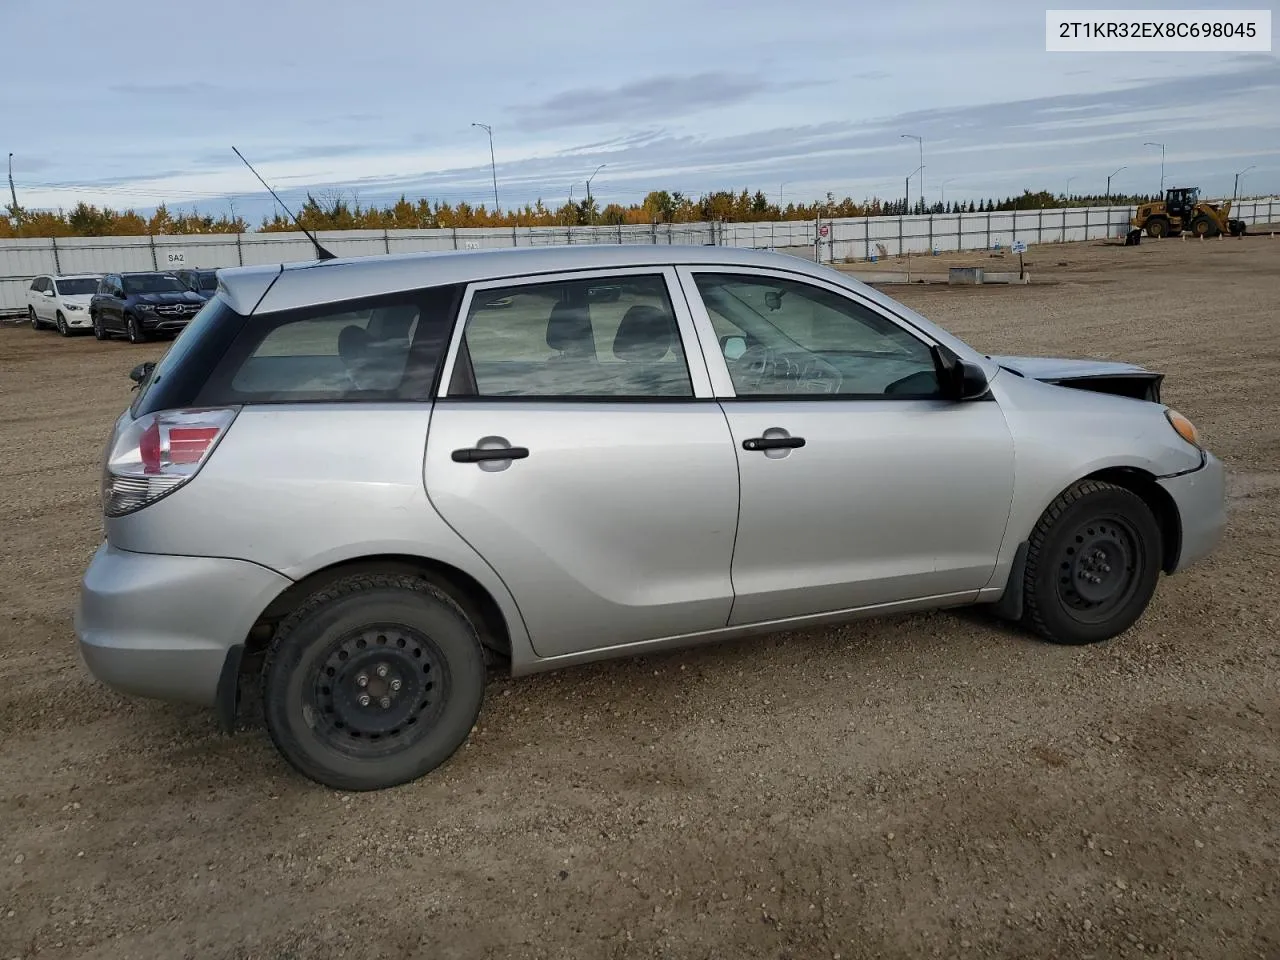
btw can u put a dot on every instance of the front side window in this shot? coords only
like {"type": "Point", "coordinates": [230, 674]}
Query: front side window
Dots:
{"type": "Point", "coordinates": [38, 284]}
{"type": "Point", "coordinates": [782, 337]}
{"type": "Point", "coordinates": [607, 338]}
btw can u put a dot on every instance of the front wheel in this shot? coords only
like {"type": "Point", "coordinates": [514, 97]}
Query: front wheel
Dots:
{"type": "Point", "coordinates": [98, 332]}
{"type": "Point", "coordinates": [1092, 564]}
{"type": "Point", "coordinates": [134, 329]}
{"type": "Point", "coordinates": [63, 329]}
{"type": "Point", "coordinates": [373, 682]}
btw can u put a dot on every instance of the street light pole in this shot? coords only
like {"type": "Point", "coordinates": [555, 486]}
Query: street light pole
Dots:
{"type": "Point", "coordinates": [780, 186]}
{"type": "Point", "coordinates": [1109, 186]}
{"type": "Point", "coordinates": [1234, 190]}
{"type": "Point", "coordinates": [592, 177]}
{"type": "Point", "coordinates": [920, 141]}
{"type": "Point", "coordinates": [944, 190]}
{"type": "Point", "coordinates": [1067, 195]}
{"type": "Point", "coordinates": [907, 199]}
{"type": "Point", "coordinates": [13, 194]}
{"type": "Point", "coordinates": [492, 166]}
{"type": "Point", "coordinates": [1161, 146]}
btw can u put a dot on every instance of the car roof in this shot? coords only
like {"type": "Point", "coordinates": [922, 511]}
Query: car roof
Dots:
{"type": "Point", "coordinates": [75, 276]}
{"type": "Point", "coordinates": [271, 287]}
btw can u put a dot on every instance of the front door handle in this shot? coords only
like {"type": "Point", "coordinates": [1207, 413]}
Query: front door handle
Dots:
{"type": "Point", "coordinates": [772, 443]}
{"type": "Point", "coordinates": [479, 454]}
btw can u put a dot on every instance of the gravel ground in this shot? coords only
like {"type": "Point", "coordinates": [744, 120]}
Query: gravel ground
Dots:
{"type": "Point", "coordinates": [913, 787]}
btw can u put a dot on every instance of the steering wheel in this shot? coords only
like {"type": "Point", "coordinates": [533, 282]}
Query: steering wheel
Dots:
{"type": "Point", "coordinates": [802, 373]}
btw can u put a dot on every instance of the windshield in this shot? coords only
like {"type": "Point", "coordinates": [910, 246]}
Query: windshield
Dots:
{"type": "Point", "coordinates": [153, 283]}
{"type": "Point", "coordinates": [76, 286]}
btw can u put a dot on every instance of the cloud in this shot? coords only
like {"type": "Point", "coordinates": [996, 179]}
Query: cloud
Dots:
{"type": "Point", "coordinates": [650, 99]}
{"type": "Point", "coordinates": [168, 90]}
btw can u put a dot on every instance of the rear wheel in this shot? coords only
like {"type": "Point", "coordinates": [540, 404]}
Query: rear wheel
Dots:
{"type": "Point", "coordinates": [1157, 227]}
{"type": "Point", "coordinates": [373, 682]}
{"type": "Point", "coordinates": [35, 321]}
{"type": "Point", "coordinates": [1092, 564]}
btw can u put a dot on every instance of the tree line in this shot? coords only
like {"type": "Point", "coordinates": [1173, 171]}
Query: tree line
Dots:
{"type": "Point", "coordinates": [333, 210]}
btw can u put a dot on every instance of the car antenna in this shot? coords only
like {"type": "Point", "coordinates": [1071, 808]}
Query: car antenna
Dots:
{"type": "Point", "coordinates": [321, 252]}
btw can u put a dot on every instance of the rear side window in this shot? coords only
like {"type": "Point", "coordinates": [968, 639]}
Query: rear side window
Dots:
{"type": "Point", "coordinates": [377, 348]}
{"type": "Point", "coordinates": [181, 373]}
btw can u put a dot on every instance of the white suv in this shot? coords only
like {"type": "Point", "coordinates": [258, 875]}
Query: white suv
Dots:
{"type": "Point", "coordinates": [61, 301]}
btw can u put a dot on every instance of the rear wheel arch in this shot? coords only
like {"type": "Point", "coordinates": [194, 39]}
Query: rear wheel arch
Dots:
{"type": "Point", "coordinates": [476, 602]}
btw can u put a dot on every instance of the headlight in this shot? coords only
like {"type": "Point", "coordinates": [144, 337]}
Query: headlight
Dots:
{"type": "Point", "coordinates": [146, 307]}
{"type": "Point", "coordinates": [73, 306]}
{"type": "Point", "coordinates": [1185, 428]}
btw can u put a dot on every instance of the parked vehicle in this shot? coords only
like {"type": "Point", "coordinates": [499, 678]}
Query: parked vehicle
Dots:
{"type": "Point", "coordinates": [142, 305]}
{"type": "Point", "coordinates": [353, 484]}
{"type": "Point", "coordinates": [61, 301]}
{"type": "Point", "coordinates": [203, 282]}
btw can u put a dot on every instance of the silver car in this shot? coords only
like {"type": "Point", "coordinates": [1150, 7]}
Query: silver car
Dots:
{"type": "Point", "coordinates": [363, 483]}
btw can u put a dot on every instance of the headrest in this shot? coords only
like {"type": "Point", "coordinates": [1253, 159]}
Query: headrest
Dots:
{"type": "Point", "coordinates": [353, 342]}
{"type": "Point", "coordinates": [569, 326]}
{"type": "Point", "coordinates": [645, 333]}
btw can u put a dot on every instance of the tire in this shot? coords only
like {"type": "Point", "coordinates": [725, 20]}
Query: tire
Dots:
{"type": "Point", "coordinates": [63, 329]}
{"type": "Point", "coordinates": [134, 329]}
{"type": "Point", "coordinates": [311, 682]}
{"type": "Point", "coordinates": [35, 321]}
{"type": "Point", "coordinates": [98, 332]}
{"type": "Point", "coordinates": [1157, 227]}
{"type": "Point", "coordinates": [1203, 227]}
{"type": "Point", "coordinates": [1093, 530]}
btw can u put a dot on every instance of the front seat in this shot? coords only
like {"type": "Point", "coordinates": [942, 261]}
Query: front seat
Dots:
{"type": "Point", "coordinates": [644, 339]}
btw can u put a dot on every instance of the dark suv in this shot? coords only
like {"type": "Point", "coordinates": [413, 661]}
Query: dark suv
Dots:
{"type": "Point", "coordinates": [142, 305]}
{"type": "Point", "coordinates": [203, 282]}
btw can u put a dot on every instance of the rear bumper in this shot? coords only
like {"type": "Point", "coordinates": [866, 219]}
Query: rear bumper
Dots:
{"type": "Point", "coordinates": [1201, 498]}
{"type": "Point", "coordinates": [163, 626]}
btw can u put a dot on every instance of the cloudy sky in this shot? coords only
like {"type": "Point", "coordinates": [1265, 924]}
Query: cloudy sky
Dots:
{"type": "Point", "coordinates": [131, 102]}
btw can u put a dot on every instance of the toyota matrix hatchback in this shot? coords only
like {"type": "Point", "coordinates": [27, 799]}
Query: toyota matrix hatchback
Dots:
{"type": "Point", "coordinates": [359, 483]}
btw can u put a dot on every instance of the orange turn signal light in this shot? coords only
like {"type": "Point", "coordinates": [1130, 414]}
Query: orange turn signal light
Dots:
{"type": "Point", "coordinates": [1186, 429]}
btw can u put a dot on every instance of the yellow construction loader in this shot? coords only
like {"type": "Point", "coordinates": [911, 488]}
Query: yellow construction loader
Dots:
{"type": "Point", "coordinates": [1182, 209]}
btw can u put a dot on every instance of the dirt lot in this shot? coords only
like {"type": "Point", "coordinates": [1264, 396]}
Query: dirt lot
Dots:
{"type": "Point", "coordinates": [922, 786]}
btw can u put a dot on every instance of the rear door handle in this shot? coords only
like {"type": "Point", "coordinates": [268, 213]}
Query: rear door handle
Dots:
{"type": "Point", "coordinates": [477, 454]}
{"type": "Point", "coordinates": [772, 443]}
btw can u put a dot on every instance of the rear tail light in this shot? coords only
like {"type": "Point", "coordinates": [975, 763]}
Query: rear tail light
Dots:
{"type": "Point", "coordinates": [157, 453]}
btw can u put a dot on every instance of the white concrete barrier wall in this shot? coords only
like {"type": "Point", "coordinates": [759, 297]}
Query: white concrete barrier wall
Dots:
{"type": "Point", "coordinates": [856, 238]}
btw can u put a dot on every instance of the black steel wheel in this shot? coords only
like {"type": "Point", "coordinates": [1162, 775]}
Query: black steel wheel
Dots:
{"type": "Point", "coordinates": [1093, 561]}
{"type": "Point", "coordinates": [373, 682]}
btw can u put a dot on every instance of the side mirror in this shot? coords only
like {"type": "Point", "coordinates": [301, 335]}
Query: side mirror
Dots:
{"type": "Point", "coordinates": [733, 347]}
{"type": "Point", "coordinates": [142, 371]}
{"type": "Point", "coordinates": [960, 380]}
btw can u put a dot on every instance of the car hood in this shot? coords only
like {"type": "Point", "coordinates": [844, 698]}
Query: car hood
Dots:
{"type": "Point", "coordinates": [1104, 376]}
{"type": "Point", "coordinates": [78, 299]}
{"type": "Point", "coordinates": [185, 296]}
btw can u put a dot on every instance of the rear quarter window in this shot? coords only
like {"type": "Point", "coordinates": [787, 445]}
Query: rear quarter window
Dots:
{"type": "Point", "coordinates": [377, 348]}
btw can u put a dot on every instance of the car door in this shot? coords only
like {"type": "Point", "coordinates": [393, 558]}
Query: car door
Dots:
{"type": "Point", "coordinates": [859, 484]}
{"type": "Point", "coordinates": [45, 304]}
{"type": "Point", "coordinates": [112, 309]}
{"type": "Point", "coordinates": [576, 446]}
